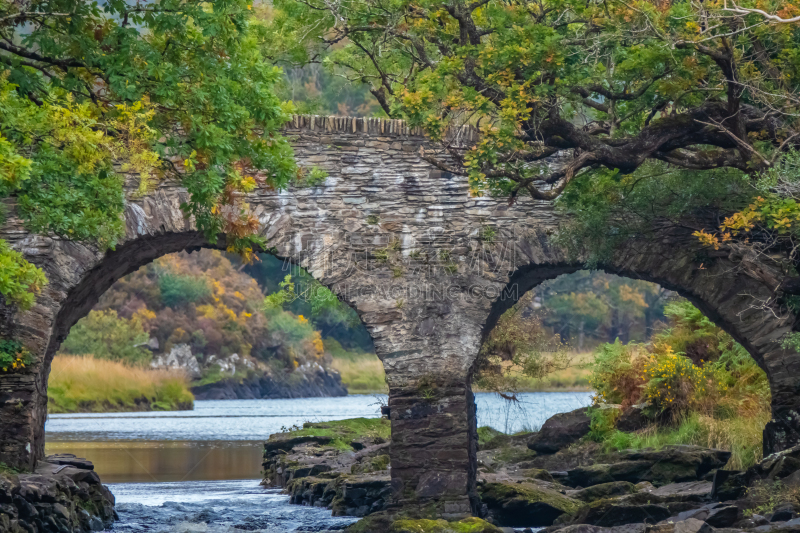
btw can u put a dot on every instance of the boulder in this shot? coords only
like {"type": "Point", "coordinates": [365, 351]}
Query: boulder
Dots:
{"type": "Point", "coordinates": [62, 496]}
{"type": "Point", "coordinates": [361, 495]}
{"type": "Point", "coordinates": [538, 473]}
{"type": "Point", "coordinates": [690, 525]}
{"type": "Point", "coordinates": [603, 490]}
{"type": "Point", "coordinates": [524, 504]}
{"type": "Point", "coordinates": [784, 512]}
{"type": "Point", "coordinates": [612, 512]}
{"type": "Point", "coordinates": [688, 491]}
{"type": "Point", "coordinates": [667, 465]}
{"type": "Point", "coordinates": [783, 466]}
{"type": "Point", "coordinates": [180, 357]}
{"type": "Point", "coordinates": [633, 418]}
{"type": "Point", "coordinates": [278, 443]}
{"type": "Point", "coordinates": [561, 430]}
{"type": "Point", "coordinates": [715, 514]}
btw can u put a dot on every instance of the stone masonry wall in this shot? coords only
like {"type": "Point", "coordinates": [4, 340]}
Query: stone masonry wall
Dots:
{"type": "Point", "coordinates": [403, 243]}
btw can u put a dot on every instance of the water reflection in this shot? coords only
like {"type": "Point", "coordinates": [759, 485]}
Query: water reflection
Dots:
{"type": "Point", "coordinates": [160, 461]}
{"type": "Point", "coordinates": [223, 439]}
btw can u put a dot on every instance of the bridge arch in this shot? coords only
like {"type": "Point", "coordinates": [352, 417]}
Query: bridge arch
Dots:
{"type": "Point", "coordinates": [427, 267]}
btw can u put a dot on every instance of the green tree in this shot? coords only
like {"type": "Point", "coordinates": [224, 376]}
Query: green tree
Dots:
{"type": "Point", "coordinates": [178, 289]}
{"type": "Point", "coordinates": [105, 335]}
{"type": "Point", "coordinates": [596, 305]}
{"type": "Point", "coordinates": [91, 92]}
{"type": "Point", "coordinates": [609, 84]}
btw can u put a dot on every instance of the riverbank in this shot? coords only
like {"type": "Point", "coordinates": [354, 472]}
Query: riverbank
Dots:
{"type": "Point", "coordinates": [63, 494]}
{"type": "Point", "coordinates": [84, 384]}
{"type": "Point", "coordinates": [558, 478]}
{"type": "Point", "coordinates": [364, 374]}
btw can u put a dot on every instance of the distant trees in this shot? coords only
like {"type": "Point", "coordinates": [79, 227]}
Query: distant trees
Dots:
{"type": "Point", "coordinates": [589, 306]}
{"type": "Point", "coordinates": [200, 299]}
{"type": "Point", "coordinates": [106, 335]}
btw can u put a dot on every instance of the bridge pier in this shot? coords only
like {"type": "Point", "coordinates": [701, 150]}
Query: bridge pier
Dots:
{"type": "Point", "coordinates": [434, 447]}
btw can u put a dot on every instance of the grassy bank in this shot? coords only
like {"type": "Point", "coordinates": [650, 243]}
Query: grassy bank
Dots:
{"type": "Point", "coordinates": [364, 374]}
{"type": "Point", "coordinates": [741, 435]}
{"type": "Point", "coordinates": [86, 384]}
{"type": "Point", "coordinates": [343, 432]}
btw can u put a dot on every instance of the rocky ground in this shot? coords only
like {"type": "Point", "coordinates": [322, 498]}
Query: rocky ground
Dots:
{"type": "Point", "coordinates": [243, 379]}
{"type": "Point", "coordinates": [64, 494]}
{"type": "Point", "coordinates": [339, 465]}
{"type": "Point", "coordinates": [307, 381]}
{"type": "Point", "coordinates": [554, 479]}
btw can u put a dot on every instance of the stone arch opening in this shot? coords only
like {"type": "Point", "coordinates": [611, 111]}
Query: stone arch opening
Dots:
{"type": "Point", "coordinates": [73, 294]}
{"type": "Point", "coordinates": [563, 335]}
{"type": "Point", "coordinates": [726, 303]}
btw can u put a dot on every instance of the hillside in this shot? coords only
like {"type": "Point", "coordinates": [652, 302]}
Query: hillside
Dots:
{"type": "Point", "coordinates": [229, 335]}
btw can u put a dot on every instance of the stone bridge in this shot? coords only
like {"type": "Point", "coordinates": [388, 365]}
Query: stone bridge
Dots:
{"type": "Point", "coordinates": [429, 270]}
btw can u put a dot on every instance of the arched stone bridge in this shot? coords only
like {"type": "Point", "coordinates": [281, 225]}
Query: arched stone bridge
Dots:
{"type": "Point", "coordinates": [407, 247]}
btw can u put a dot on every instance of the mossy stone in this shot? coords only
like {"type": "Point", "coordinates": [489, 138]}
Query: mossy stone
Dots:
{"type": "Point", "coordinates": [524, 504]}
{"type": "Point", "coordinates": [383, 523]}
{"type": "Point", "coordinates": [605, 490]}
{"type": "Point", "coordinates": [538, 473]}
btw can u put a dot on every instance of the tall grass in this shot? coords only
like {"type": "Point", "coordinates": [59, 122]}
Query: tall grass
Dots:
{"type": "Point", "coordinates": [362, 375]}
{"type": "Point", "coordinates": [741, 435]}
{"type": "Point", "coordinates": [81, 383]}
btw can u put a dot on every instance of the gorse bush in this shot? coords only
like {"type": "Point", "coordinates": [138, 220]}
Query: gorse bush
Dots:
{"type": "Point", "coordinates": [722, 377]}
{"type": "Point", "coordinates": [617, 373]}
{"type": "Point", "coordinates": [671, 381]}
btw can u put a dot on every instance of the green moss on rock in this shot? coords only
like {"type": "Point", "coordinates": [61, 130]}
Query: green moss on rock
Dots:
{"type": "Point", "coordinates": [340, 432]}
{"type": "Point", "coordinates": [524, 504]}
{"type": "Point", "coordinates": [538, 473]}
{"type": "Point", "coordinates": [384, 524]}
{"type": "Point", "coordinates": [605, 490]}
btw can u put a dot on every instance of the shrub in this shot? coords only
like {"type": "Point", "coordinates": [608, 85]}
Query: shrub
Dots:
{"type": "Point", "coordinates": [178, 290]}
{"type": "Point", "coordinates": [617, 373]}
{"type": "Point", "coordinates": [767, 495]}
{"type": "Point", "coordinates": [108, 336]}
{"type": "Point", "coordinates": [519, 346]}
{"type": "Point", "coordinates": [13, 355]}
{"type": "Point", "coordinates": [672, 381]}
{"type": "Point", "coordinates": [717, 398]}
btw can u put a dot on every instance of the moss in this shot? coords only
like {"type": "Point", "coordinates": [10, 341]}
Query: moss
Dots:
{"type": "Point", "coordinates": [527, 493]}
{"type": "Point", "coordinates": [514, 454]}
{"type": "Point", "coordinates": [468, 525]}
{"type": "Point", "coordinates": [375, 464]}
{"type": "Point", "coordinates": [8, 471]}
{"type": "Point", "coordinates": [538, 473]}
{"type": "Point", "coordinates": [344, 432]}
{"type": "Point", "coordinates": [488, 434]}
{"type": "Point", "coordinates": [383, 523]}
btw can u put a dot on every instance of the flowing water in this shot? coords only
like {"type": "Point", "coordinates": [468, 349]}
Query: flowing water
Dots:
{"type": "Point", "coordinates": [198, 471]}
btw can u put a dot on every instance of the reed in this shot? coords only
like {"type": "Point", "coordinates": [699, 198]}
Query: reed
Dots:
{"type": "Point", "coordinates": [81, 383]}
{"type": "Point", "coordinates": [362, 375]}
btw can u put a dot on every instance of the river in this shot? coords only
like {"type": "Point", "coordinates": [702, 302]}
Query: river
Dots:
{"type": "Point", "coordinates": [198, 471]}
